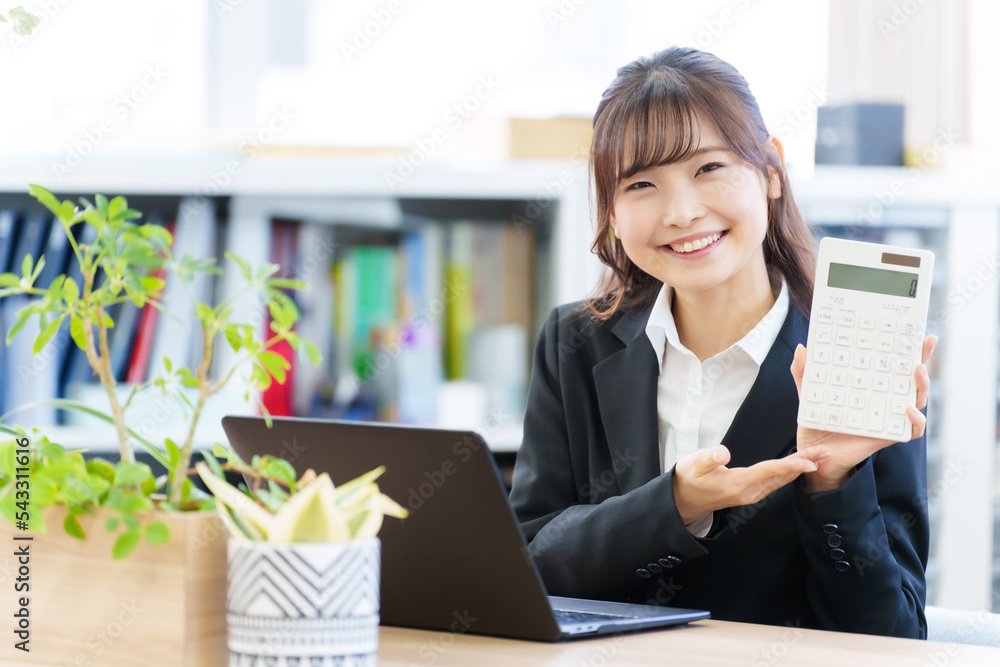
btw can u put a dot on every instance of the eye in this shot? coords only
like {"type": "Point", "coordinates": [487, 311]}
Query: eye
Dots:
{"type": "Point", "coordinates": [637, 183]}
{"type": "Point", "coordinates": [711, 166]}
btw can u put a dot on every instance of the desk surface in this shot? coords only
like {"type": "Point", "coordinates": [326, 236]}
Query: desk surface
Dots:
{"type": "Point", "coordinates": [699, 643]}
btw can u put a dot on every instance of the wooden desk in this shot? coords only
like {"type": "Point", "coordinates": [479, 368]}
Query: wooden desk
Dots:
{"type": "Point", "coordinates": [699, 643]}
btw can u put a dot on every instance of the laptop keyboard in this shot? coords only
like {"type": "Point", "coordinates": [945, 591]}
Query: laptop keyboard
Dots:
{"type": "Point", "coordinates": [564, 617]}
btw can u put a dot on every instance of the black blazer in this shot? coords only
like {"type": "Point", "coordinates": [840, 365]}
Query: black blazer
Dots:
{"type": "Point", "coordinates": [601, 522]}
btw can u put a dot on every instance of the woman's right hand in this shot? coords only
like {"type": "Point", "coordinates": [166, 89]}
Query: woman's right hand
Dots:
{"type": "Point", "coordinates": [703, 483]}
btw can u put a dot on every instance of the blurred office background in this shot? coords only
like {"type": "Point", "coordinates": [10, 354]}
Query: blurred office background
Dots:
{"type": "Point", "coordinates": [422, 166]}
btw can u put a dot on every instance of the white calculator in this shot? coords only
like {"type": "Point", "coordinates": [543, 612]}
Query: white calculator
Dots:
{"type": "Point", "coordinates": [866, 333]}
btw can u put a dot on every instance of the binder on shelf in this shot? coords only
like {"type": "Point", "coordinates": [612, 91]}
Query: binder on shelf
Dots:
{"type": "Point", "coordinates": [8, 240]}
{"type": "Point", "coordinates": [142, 348]}
{"type": "Point", "coordinates": [178, 334]}
{"type": "Point", "coordinates": [58, 252]}
{"type": "Point", "coordinates": [278, 397]}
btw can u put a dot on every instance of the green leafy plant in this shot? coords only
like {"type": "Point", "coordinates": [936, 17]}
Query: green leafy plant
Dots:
{"type": "Point", "coordinates": [126, 254]}
{"type": "Point", "coordinates": [21, 21]}
{"type": "Point", "coordinates": [308, 509]}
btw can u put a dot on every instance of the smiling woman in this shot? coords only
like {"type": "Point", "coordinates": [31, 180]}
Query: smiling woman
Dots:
{"type": "Point", "coordinates": [691, 341]}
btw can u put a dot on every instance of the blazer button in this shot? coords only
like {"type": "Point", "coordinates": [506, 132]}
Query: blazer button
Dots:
{"type": "Point", "coordinates": [830, 528]}
{"type": "Point", "coordinates": [665, 563]}
{"type": "Point", "coordinates": [643, 572]}
{"type": "Point", "coordinates": [834, 541]}
{"type": "Point", "coordinates": [842, 566]}
{"type": "Point", "coordinates": [837, 554]}
{"type": "Point", "coordinates": [654, 568]}
{"type": "Point", "coordinates": [675, 560]}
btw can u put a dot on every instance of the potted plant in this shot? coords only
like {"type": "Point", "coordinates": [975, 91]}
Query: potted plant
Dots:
{"type": "Point", "coordinates": [177, 573]}
{"type": "Point", "coordinates": [303, 563]}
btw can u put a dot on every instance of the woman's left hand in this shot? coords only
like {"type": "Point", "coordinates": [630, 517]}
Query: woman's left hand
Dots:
{"type": "Point", "coordinates": [847, 451]}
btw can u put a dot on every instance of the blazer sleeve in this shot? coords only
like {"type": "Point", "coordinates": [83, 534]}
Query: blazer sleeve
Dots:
{"type": "Point", "coordinates": [582, 549]}
{"type": "Point", "coordinates": [876, 527]}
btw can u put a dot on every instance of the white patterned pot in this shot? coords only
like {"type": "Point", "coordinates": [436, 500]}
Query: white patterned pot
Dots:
{"type": "Point", "coordinates": [304, 604]}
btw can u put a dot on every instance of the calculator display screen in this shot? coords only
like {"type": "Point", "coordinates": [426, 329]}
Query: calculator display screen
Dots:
{"type": "Point", "coordinates": [879, 281]}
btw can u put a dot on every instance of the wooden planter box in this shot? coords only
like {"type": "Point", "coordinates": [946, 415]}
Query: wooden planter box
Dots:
{"type": "Point", "coordinates": [160, 606]}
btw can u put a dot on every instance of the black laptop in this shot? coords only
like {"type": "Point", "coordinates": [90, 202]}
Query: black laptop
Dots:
{"type": "Point", "coordinates": [459, 561]}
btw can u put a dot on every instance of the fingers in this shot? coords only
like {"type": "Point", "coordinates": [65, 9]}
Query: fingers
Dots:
{"type": "Point", "coordinates": [798, 366]}
{"type": "Point", "coordinates": [919, 422]}
{"type": "Point", "coordinates": [923, 382]}
{"type": "Point", "coordinates": [708, 459]}
{"type": "Point", "coordinates": [764, 478]}
{"type": "Point", "coordinates": [929, 344]}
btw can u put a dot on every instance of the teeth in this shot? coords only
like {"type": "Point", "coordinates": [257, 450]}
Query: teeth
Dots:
{"type": "Point", "coordinates": [691, 246]}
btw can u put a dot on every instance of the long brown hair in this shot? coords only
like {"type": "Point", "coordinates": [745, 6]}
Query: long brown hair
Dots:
{"type": "Point", "coordinates": [647, 117]}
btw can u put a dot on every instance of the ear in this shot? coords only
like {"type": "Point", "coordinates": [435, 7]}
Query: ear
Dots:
{"type": "Point", "coordinates": [773, 177]}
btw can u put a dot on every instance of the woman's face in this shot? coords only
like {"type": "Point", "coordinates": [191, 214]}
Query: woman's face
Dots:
{"type": "Point", "coordinates": [696, 224]}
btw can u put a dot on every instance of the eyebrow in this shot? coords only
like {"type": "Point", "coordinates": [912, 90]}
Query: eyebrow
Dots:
{"type": "Point", "coordinates": [695, 153]}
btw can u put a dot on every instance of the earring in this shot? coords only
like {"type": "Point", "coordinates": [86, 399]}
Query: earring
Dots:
{"type": "Point", "coordinates": [614, 231]}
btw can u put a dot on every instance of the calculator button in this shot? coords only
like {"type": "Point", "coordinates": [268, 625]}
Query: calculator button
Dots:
{"type": "Point", "coordinates": [901, 385]}
{"type": "Point", "coordinates": [909, 328]}
{"type": "Point", "coordinates": [899, 405]}
{"type": "Point", "coordinates": [885, 343]}
{"type": "Point", "coordinates": [881, 383]}
{"type": "Point", "coordinates": [835, 397]}
{"type": "Point", "coordinates": [904, 366]}
{"type": "Point", "coordinates": [815, 395]}
{"type": "Point", "coordinates": [845, 338]}
{"type": "Point", "coordinates": [824, 334]}
{"type": "Point", "coordinates": [811, 414]}
{"type": "Point", "coordinates": [841, 358]}
{"type": "Point", "coordinates": [897, 425]}
{"type": "Point", "coordinates": [832, 417]}
{"type": "Point", "coordinates": [855, 418]}
{"type": "Point", "coordinates": [887, 325]}
{"type": "Point", "coordinates": [859, 381]}
{"type": "Point", "coordinates": [862, 360]}
{"type": "Point", "coordinates": [838, 377]}
{"type": "Point", "coordinates": [821, 355]}
{"type": "Point", "coordinates": [824, 315]}
{"type": "Point", "coordinates": [906, 348]}
{"type": "Point", "coordinates": [876, 413]}
{"type": "Point", "coordinates": [818, 374]}
{"type": "Point", "coordinates": [846, 318]}
{"type": "Point", "coordinates": [857, 400]}
{"type": "Point", "coordinates": [866, 322]}
{"type": "Point", "coordinates": [866, 341]}
{"type": "Point", "coordinates": [883, 363]}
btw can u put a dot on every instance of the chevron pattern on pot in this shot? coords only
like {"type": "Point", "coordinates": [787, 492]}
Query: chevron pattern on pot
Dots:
{"type": "Point", "coordinates": [303, 580]}
{"type": "Point", "coordinates": [303, 603]}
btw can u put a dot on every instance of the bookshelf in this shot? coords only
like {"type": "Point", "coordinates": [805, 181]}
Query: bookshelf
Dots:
{"type": "Point", "coordinates": [546, 198]}
{"type": "Point", "coordinates": [957, 217]}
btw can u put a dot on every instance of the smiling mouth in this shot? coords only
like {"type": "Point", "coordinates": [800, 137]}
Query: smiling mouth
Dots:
{"type": "Point", "coordinates": [692, 246]}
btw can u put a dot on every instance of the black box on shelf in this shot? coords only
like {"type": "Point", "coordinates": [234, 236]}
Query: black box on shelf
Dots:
{"type": "Point", "coordinates": [860, 133]}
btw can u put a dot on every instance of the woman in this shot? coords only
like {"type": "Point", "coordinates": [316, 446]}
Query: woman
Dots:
{"type": "Point", "coordinates": [696, 337]}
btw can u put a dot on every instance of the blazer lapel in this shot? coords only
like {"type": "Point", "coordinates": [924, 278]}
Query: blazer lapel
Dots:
{"type": "Point", "coordinates": [626, 394]}
{"type": "Point", "coordinates": [765, 424]}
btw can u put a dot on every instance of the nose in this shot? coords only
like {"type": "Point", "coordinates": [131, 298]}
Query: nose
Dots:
{"type": "Point", "coordinates": [682, 205]}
